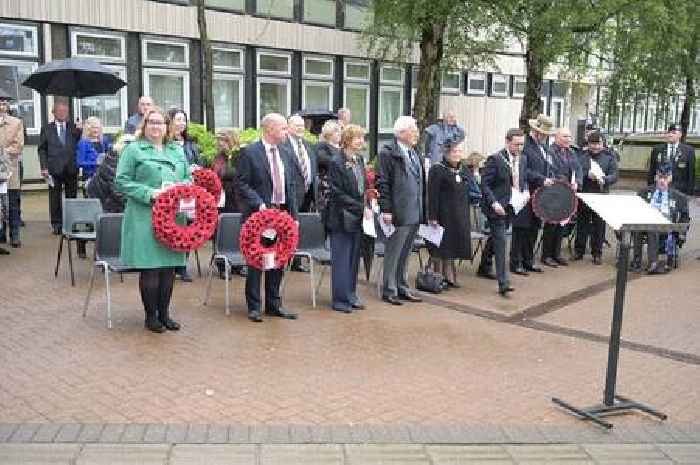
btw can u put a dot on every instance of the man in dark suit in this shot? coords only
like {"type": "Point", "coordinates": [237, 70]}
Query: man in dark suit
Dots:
{"type": "Point", "coordinates": [57, 142]}
{"type": "Point", "coordinates": [401, 181]}
{"type": "Point", "coordinates": [681, 158]}
{"type": "Point", "coordinates": [265, 179]}
{"type": "Point", "coordinates": [501, 174]}
{"type": "Point", "coordinates": [520, 252]}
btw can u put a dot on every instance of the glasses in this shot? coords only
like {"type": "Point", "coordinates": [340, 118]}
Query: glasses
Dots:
{"type": "Point", "coordinates": [156, 122]}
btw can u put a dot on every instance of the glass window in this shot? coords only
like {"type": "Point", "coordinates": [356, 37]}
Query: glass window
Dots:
{"type": "Point", "coordinates": [651, 118]}
{"type": "Point", "coordinates": [357, 14]}
{"type": "Point", "coordinates": [391, 75]}
{"type": "Point", "coordinates": [110, 109]}
{"type": "Point", "coordinates": [317, 96]}
{"type": "Point", "coordinates": [18, 40]}
{"type": "Point", "coordinates": [273, 96]}
{"type": "Point", "coordinates": [318, 67]}
{"type": "Point", "coordinates": [320, 11]}
{"type": "Point", "coordinates": [639, 112]}
{"type": "Point", "coordinates": [519, 84]}
{"type": "Point", "coordinates": [274, 63]}
{"type": "Point", "coordinates": [499, 85]}
{"type": "Point", "coordinates": [228, 101]}
{"type": "Point", "coordinates": [237, 5]}
{"type": "Point", "coordinates": [168, 88]}
{"type": "Point", "coordinates": [226, 58]}
{"type": "Point", "coordinates": [26, 101]}
{"type": "Point", "coordinates": [165, 53]}
{"type": "Point", "coordinates": [357, 100]}
{"type": "Point", "coordinates": [558, 112]}
{"type": "Point", "coordinates": [356, 70]}
{"type": "Point", "coordinates": [276, 8]}
{"type": "Point", "coordinates": [627, 117]}
{"type": "Point", "coordinates": [98, 46]}
{"type": "Point", "coordinates": [390, 107]}
{"type": "Point", "coordinates": [476, 83]}
{"type": "Point", "coordinates": [451, 81]}
{"type": "Point", "coordinates": [695, 120]}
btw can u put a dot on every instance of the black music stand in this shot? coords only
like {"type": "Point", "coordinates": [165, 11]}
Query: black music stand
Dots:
{"type": "Point", "coordinates": [626, 214]}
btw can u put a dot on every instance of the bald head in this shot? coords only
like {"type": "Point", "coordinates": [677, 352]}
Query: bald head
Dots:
{"type": "Point", "coordinates": [450, 118]}
{"type": "Point", "coordinates": [563, 137]}
{"type": "Point", "coordinates": [274, 128]}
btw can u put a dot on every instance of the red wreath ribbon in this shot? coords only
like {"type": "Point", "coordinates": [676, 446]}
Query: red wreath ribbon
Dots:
{"type": "Point", "coordinates": [251, 237]}
{"type": "Point", "coordinates": [178, 237]}
{"type": "Point", "coordinates": [208, 179]}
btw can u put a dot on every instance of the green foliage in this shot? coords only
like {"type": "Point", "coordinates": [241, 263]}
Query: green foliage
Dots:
{"type": "Point", "coordinates": [206, 141]}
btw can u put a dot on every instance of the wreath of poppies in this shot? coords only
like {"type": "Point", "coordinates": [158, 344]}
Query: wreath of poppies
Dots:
{"type": "Point", "coordinates": [206, 178]}
{"type": "Point", "coordinates": [285, 245]}
{"type": "Point", "coordinates": [181, 237]}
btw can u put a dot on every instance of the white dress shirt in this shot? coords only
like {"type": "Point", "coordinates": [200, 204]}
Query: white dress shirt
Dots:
{"type": "Point", "coordinates": [280, 166]}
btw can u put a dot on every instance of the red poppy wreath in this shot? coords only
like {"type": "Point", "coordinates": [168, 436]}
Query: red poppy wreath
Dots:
{"type": "Point", "coordinates": [269, 231]}
{"type": "Point", "coordinates": [179, 237]}
{"type": "Point", "coordinates": [206, 178]}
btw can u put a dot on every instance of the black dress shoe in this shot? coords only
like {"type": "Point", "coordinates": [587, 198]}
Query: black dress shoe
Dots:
{"type": "Point", "coordinates": [358, 306]}
{"type": "Point", "coordinates": [282, 313]}
{"type": "Point", "coordinates": [391, 299]}
{"type": "Point", "coordinates": [16, 243]}
{"type": "Point", "coordinates": [447, 284]}
{"type": "Point", "coordinates": [185, 276]}
{"type": "Point", "coordinates": [255, 317]}
{"type": "Point", "coordinates": [343, 310]}
{"type": "Point", "coordinates": [578, 256]}
{"type": "Point", "coordinates": [155, 326]}
{"type": "Point", "coordinates": [561, 261]}
{"type": "Point", "coordinates": [4, 251]}
{"type": "Point", "coordinates": [504, 290]}
{"type": "Point", "coordinates": [533, 269]}
{"type": "Point", "coordinates": [550, 262]}
{"type": "Point", "coordinates": [170, 325]}
{"type": "Point", "coordinates": [656, 268]}
{"type": "Point", "coordinates": [408, 297]}
{"type": "Point", "coordinates": [597, 260]}
{"type": "Point", "coordinates": [485, 274]}
{"type": "Point", "coordinates": [635, 267]}
{"type": "Point", "coordinates": [519, 271]}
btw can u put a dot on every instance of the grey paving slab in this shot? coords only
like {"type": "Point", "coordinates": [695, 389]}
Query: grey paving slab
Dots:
{"type": "Point", "coordinates": [258, 434]}
{"type": "Point", "coordinates": [455, 455]}
{"type": "Point", "coordinates": [341, 434]}
{"type": "Point", "coordinates": [197, 434]}
{"type": "Point", "coordinates": [134, 433]}
{"type": "Point", "coordinates": [6, 430]}
{"type": "Point", "coordinates": [524, 435]}
{"type": "Point", "coordinates": [155, 434]}
{"type": "Point", "coordinates": [548, 453]}
{"type": "Point", "coordinates": [390, 434]}
{"type": "Point", "coordinates": [300, 434]}
{"type": "Point", "coordinates": [278, 434]}
{"type": "Point", "coordinates": [386, 454]}
{"type": "Point", "coordinates": [68, 432]}
{"type": "Point", "coordinates": [625, 453]}
{"type": "Point", "coordinates": [307, 454]}
{"type": "Point", "coordinates": [213, 454]}
{"type": "Point", "coordinates": [36, 454]}
{"type": "Point", "coordinates": [112, 432]}
{"type": "Point", "coordinates": [682, 453]}
{"type": "Point", "coordinates": [320, 434]}
{"type": "Point", "coordinates": [176, 433]}
{"type": "Point", "coordinates": [124, 454]}
{"type": "Point", "coordinates": [360, 434]}
{"type": "Point", "coordinates": [46, 432]}
{"type": "Point", "coordinates": [217, 434]}
{"type": "Point", "coordinates": [91, 433]}
{"type": "Point", "coordinates": [24, 433]}
{"type": "Point", "coordinates": [239, 434]}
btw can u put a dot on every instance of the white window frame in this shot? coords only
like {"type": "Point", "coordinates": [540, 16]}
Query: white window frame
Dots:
{"type": "Point", "coordinates": [516, 80]}
{"type": "Point", "coordinates": [392, 81]}
{"type": "Point", "coordinates": [451, 90]}
{"type": "Point", "coordinates": [471, 91]}
{"type": "Point", "coordinates": [34, 30]}
{"type": "Point", "coordinates": [501, 78]}
{"type": "Point", "coordinates": [367, 98]}
{"type": "Point", "coordinates": [123, 101]}
{"type": "Point", "coordinates": [169, 72]}
{"type": "Point", "coordinates": [328, 85]}
{"type": "Point", "coordinates": [356, 63]}
{"type": "Point", "coordinates": [544, 105]}
{"type": "Point", "coordinates": [36, 98]}
{"type": "Point", "coordinates": [695, 117]}
{"type": "Point", "coordinates": [271, 80]}
{"type": "Point", "coordinates": [640, 105]}
{"type": "Point", "coordinates": [306, 74]}
{"type": "Point", "coordinates": [623, 113]}
{"type": "Point", "coordinates": [147, 62]}
{"type": "Point", "coordinates": [556, 100]}
{"type": "Point", "coordinates": [288, 56]}
{"type": "Point", "coordinates": [241, 95]}
{"type": "Point", "coordinates": [233, 69]}
{"type": "Point", "coordinates": [379, 108]}
{"type": "Point", "coordinates": [98, 35]}
{"type": "Point", "coordinates": [651, 116]}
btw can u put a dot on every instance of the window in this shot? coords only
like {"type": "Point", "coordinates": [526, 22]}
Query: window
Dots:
{"type": "Point", "coordinates": [476, 83]}
{"type": "Point", "coordinates": [356, 71]}
{"type": "Point", "coordinates": [391, 75]}
{"type": "Point", "coordinates": [357, 14]}
{"type": "Point", "coordinates": [357, 100]}
{"type": "Point", "coordinates": [519, 86]}
{"type": "Point", "coordinates": [227, 59]}
{"type": "Point", "coordinates": [19, 40]}
{"type": "Point", "coordinates": [168, 88]}
{"type": "Point", "coordinates": [236, 5]}
{"type": "Point", "coordinates": [639, 114]}
{"type": "Point", "coordinates": [320, 12]}
{"type": "Point", "coordinates": [451, 82]}
{"type": "Point", "coordinates": [165, 53]}
{"type": "Point", "coordinates": [651, 117]}
{"type": "Point", "coordinates": [390, 96]}
{"type": "Point", "coordinates": [228, 100]}
{"type": "Point", "coordinates": [110, 109]}
{"type": "Point", "coordinates": [499, 85]}
{"type": "Point", "coordinates": [317, 95]}
{"type": "Point", "coordinates": [557, 113]}
{"type": "Point", "coordinates": [695, 120]}
{"type": "Point", "coordinates": [103, 47]}
{"type": "Point", "coordinates": [543, 107]}
{"type": "Point", "coordinates": [12, 75]}
{"type": "Point", "coordinates": [318, 67]}
{"type": "Point", "coordinates": [273, 96]}
{"type": "Point", "coordinates": [274, 63]}
{"type": "Point", "coordinates": [275, 8]}
{"type": "Point", "coordinates": [627, 117]}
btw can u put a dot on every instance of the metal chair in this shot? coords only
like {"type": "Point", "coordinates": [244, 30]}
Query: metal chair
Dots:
{"type": "Point", "coordinates": [77, 212]}
{"type": "Point", "coordinates": [227, 249]}
{"type": "Point", "coordinates": [108, 232]}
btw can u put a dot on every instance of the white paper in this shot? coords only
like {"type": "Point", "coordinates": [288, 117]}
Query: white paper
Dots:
{"type": "Point", "coordinates": [3, 188]}
{"type": "Point", "coordinates": [623, 210]}
{"type": "Point", "coordinates": [268, 261]}
{"type": "Point", "coordinates": [368, 223]}
{"type": "Point", "coordinates": [387, 229]}
{"type": "Point", "coordinates": [431, 233]}
{"type": "Point", "coordinates": [222, 200]}
{"type": "Point", "coordinates": [189, 208]}
{"type": "Point", "coordinates": [518, 199]}
{"type": "Point", "coordinates": [596, 171]}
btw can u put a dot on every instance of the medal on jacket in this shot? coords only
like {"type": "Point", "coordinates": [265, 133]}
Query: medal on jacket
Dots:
{"type": "Point", "coordinates": [458, 178]}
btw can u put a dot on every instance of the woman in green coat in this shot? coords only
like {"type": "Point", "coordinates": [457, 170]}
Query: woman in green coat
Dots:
{"type": "Point", "coordinates": [145, 167]}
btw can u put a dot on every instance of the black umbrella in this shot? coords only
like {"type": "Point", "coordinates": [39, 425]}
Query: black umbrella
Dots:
{"type": "Point", "coordinates": [317, 118]}
{"type": "Point", "coordinates": [74, 77]}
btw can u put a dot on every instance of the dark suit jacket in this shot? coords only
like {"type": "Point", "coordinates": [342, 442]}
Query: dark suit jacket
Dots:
{"type": "Point", "coordinates": [346, 201]}
{"type": "Point", "coordinates": [402, 188]}
{"type": "Point", "coordinates": [496, 183]}
{"type": "Point", "coordinates": [607, 163]}
{"type": "Point", "coordinates": [55, 156]}
{"type": "Point", "coordinates": [565, 164]}
{"type": "Point", "coordinates": [683, 167]}
{"type": "Point", "coordinates": [298, 177]}
{"type": "Point", "coordinates": [254, 180]}
{"type": "Point", "coordinates": [537, 167]}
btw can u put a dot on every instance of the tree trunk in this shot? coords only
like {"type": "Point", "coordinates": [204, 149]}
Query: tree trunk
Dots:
{"type": "Point", "coordinates": [533, 86]}
{"type": "Point", "coordinates": [431, 54]}
{"type": "Point", "coordinates": [688, 105]}
{"type": "Point", "coordinates": [207, 67]}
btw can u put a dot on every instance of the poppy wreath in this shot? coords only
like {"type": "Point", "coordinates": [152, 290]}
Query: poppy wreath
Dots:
{"type": "Point", "coordinates": [179, 237]}
{"type": "Point", "coordinates": [206, 178]}
{"type": "Point", "coordinates": [286, 242]}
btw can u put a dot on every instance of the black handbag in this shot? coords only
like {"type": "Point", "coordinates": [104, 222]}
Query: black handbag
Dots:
{"type": "Point", "coordinates": [429, 281]}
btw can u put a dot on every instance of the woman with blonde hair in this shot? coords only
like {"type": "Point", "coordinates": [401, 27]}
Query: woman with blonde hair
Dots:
{"type": "Point", "coordinates": [92, 147]}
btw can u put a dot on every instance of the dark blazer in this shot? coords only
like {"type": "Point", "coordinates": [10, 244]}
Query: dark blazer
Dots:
{"type": "Point", "coordinates": [537, 167]}
{"type": "Point", "coordinates": [254, 180]}
{"type": "Point", "coordinates": [325, 154]}
{"type": "Point", "coordinates": [402, 188]}
{"type": "Point", "coordinates": [102, 186]}
{"type": "Point", "coordinates": [191, 150]}
{"type": "Point", "coordinates": [565, 164]}
{"type": "Point", "coordinates": [496, 184]}
{"type": "Point", "coordinates": [55, 156]}
{"type": "Point", "coordinates": [299, 178]}
{"type": "Point", "coordinates": [525, 217]}
{"type": "Point", "coordinates": [683, 167]}
{"type": "Point", "coordinates": [346, 205]}
{"type": "Point", "coordinates": [607, 163]}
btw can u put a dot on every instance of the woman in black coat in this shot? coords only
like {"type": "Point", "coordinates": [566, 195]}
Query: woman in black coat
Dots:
{"type": "Point", "coordinates": [448, 206]}
{"type": "Point", "coordinates": [344, 219]}
{"type": "Point", "coordinates": [101, 185]}
{"type": "Point", "coordinates": [327, 150]}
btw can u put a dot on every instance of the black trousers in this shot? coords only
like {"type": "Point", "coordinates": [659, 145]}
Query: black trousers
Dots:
{"type": "Point", "coordinates": [496, 248]}
{"type": "Point", "coordinates": [63, 182]}
{"type": "Point", "coordinates": [552, 235]}
{"type": "Point", "coordinates": [273, 279]}
{"type": "Point", "coordinates": [589, 224]}
{"type": "Point", "coordinates": [522, 247]}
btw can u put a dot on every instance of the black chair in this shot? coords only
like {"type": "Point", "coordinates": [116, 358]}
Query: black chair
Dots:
{"type": "Point", "coordinates": [107, 256]}
{"type": "Point", "coordinates": [312, 245]}
{"type": "Point", "coordinates": [77, 212]}
{"type": "Point", "coordinates": [227, 249]}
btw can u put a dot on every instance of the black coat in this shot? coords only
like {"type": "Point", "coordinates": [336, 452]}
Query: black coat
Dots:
{"type": "Point", "coordinates": [683, 167]}
{"type": "Point", "coordinates": [537, 166]}
{"type": "Point", "coordinates": [101, 185]}
{"type": "Point", "coordinates": [300, 185]}
{"type": "Point", "coordinates": [565, 164]}
{"type": "Point", "coordinates": [228, 183]}
{"type": "Point", "coordinates": [448, 204]}
{"type": "Point", "coordinates": [402, 188]}
{"type": "Point", "coordinates": [346, 202]}
{"type": "Point", "coordinates": [607, 163]}
{"type": "Point", "coordinates": [525, 217]}
{"type": "Point", "coordinates": [254, 180]}
{"type": "Point", "coordinates": [496, 184]}
{"type": "Point", "coordinates": [55, 156]}
{"type": "Point", "coordinates": [325, 154]}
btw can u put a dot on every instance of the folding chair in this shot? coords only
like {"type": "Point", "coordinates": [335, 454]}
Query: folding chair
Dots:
{"type": "Point", "coordinates": [77, 212]}
{"type": "Point", "coordinates": [227, 249]}
{"type": "Point", "coordinates": [108, 232]}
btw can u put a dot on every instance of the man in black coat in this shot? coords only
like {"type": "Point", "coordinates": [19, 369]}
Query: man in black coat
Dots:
{"type": "Point", "coordinates": [265, 179]}
{"type": "Point", "coordinates": [588, 222]}
{"type": "Point", "coordinates": [57, 142]}
{"type": "Point", "coordinates": [681, 158]}
{"type": "Point", "coordinates": [501, 174]}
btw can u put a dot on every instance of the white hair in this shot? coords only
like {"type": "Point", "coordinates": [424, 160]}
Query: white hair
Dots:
{"type": "Point", "coordinates": [294, 119]}
{"type": "Point", "coordinates": [270, 119]}
{"type": "Point", "coordinates": [403, 123]}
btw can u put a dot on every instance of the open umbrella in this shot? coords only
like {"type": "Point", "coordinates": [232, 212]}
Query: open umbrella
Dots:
{"type": "Point", "coordinates": [317, 118]}
{"type": "Point", "coordinates": [74, 77]}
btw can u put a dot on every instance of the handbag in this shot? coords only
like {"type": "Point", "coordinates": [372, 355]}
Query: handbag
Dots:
{"type": "Point", "coordinates": [429, 281]}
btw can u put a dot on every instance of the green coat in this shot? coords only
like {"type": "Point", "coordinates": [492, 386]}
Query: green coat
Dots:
{"type": "Point", "coordinates": [142, 170]}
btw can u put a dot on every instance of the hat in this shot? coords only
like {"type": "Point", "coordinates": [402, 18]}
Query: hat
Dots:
{"type": "Point", "coordinates": [664, 169]}
{"type": "Point", "coordinates": [674, 127]}
{"type": "Point", "coordinates": [4, 95]}
{"type": "Point", "coordinates": [543, 124]}
{"type": "Point", "coordinates": [595, 137]}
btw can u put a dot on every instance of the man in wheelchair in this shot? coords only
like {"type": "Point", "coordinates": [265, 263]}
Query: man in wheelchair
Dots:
{"type": "Point", "coordinates": [674, 206]}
